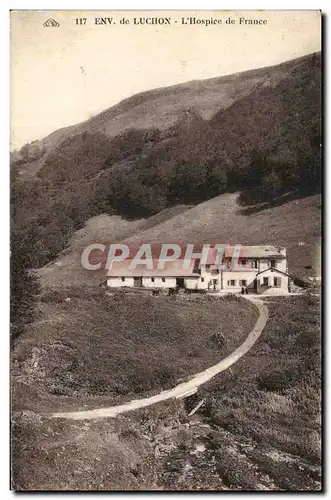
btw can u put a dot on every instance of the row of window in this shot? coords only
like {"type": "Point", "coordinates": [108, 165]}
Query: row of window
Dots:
{"type": "Point", "coordinates": [234, 282]}
{"type": "Point", "coordinates": [243, 263]}
{"type": "Point", "coordinates": [277, 282]}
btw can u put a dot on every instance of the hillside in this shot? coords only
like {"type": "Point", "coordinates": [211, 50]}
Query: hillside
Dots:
{"type": "Point", "coordinates": [295, 225]}
{"type": "Point", "coordinates": [259, 428]}
{"type": "Point", "coordinates": [232, 160]}
{"type": "Point", "coordinates": [257, 132]}
{"type": "Point", "coordinates": [161, 108]}
{"type": "Point", "coordinates": [100, 345]}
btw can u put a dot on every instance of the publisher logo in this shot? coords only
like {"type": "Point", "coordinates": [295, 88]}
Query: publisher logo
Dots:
{"type": "Point", "coordinates": [51, 23]}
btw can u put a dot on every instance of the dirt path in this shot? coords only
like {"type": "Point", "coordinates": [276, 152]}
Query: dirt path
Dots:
{"type": "Point", "coordinates": [184, 389]}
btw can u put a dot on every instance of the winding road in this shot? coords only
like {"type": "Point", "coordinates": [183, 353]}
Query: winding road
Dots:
{"type": "Point", "coordinates": [186, 388]}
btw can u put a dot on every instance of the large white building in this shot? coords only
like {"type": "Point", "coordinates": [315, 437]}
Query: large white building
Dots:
{"type": "Point", "coordinates": [256, 269]}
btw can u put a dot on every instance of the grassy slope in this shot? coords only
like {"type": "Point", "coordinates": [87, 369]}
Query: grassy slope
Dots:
{"type": "Point", "coordinates": [221, 220]}
{"type": "Point", "coordinates": [52, 455]}
{"type": "Point", "coordinates": [259, 429]}
{"type": "Point", "coordinates": [96, 345]}
{"type": "Point", "coordinates": [275, 397]}
{"type": "Point", "coordinates": [265, 418]}
{"type": "Point", "coordinates": [217, 220]}
{"type": "Point", "coordinates": [163, 107]}
{"type": "Point", "coordinates": [66, 269]}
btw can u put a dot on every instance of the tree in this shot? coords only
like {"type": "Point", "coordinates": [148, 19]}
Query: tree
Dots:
{"type": "Point", "coordinates": [24, 287]}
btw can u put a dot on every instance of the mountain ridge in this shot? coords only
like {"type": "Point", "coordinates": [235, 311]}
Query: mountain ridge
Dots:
{"type": "Point", "coordinates": [262, 138]}
{"type": "Point", "coordinates": [126, 104]}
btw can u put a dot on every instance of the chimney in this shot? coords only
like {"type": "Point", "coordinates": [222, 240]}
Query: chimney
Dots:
{"type": "Point", "coordinates": [282, 250]}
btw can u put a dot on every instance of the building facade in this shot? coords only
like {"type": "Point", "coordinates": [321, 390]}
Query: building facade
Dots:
{"type": "Point", "coordinates": [256, 269]}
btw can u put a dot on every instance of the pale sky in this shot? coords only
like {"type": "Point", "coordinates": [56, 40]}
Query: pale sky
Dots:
{"type": "Point", "coordinates": [64, 75]}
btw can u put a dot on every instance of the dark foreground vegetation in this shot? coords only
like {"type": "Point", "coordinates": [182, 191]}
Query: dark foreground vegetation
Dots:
{"type": "Point", "coordinates": [259, 428]}
{"type": "Point", "coordinates": [24, 287]}
{"type": "Point", "coordinates": [275, 395]}
{"type": "Point", "coordinates": [265, 416]}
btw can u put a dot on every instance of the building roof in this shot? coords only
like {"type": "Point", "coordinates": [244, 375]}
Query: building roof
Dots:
{"type": "Point", "coordinates": [176, 268]}
{"type": "Point", "coordinates": [246, 252]}
{"type": "Point", "coordinates": [172, 269]}
{"type": "Point", "coordinates": [256, 251]}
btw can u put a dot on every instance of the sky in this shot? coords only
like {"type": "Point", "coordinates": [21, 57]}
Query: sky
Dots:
{"type": "Point", "coordinates": [64, 75]}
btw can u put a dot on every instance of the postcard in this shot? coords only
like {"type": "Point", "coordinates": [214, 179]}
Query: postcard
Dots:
{"type": "Point", "coordinates": [166, 183]}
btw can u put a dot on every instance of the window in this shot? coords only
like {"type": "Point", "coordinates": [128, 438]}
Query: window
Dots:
{"type": "Point", "coordinates": [255, 264]}
{"type": "Point", "coordinates": [266, 281]}
{"type": "Point", "coordinates": [123, 279]}
{"type": "Point", "coordinates": [214, 272]}
{"type": "Point", "coordinates": [207, 267]}
{"type": "Point", "coordinates": [152, 280]}
{"type": "Point", "coordinates": [163, 279]}
{"type": "Point", "coordinates": [202, 280]}
{"type": "Point", "coordinates": [231, 282]}
{"type": "Point", "coordinates": [243, 282]}
{"type": "Point", "coordinates": [277, 281]}
{"type": "Point", "coordinates": [243, 262]}
{"type": "Point", "coordinates": [272, 263]}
